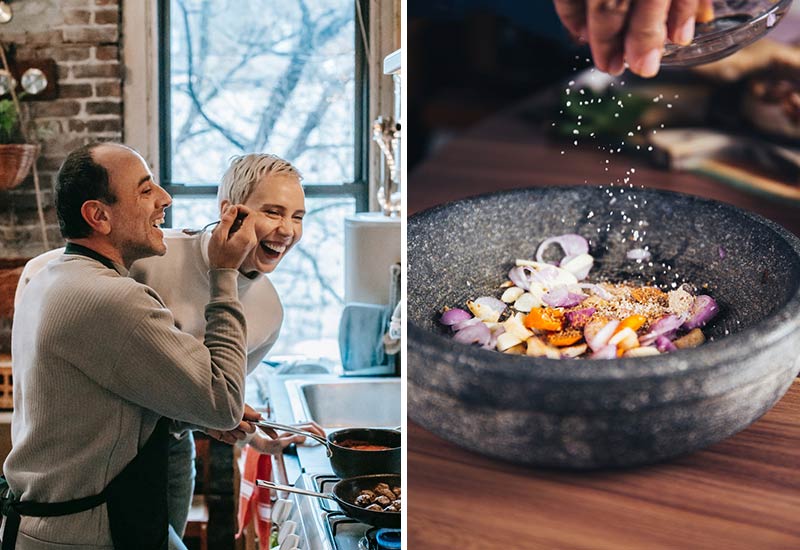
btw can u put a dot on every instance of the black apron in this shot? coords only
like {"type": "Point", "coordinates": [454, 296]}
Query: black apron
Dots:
{"type": "Point", "coordinates": [136, 500]}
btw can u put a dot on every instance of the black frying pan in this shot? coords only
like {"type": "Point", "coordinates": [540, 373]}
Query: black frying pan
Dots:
{"type": "Point", "coordinates": [345, 492]}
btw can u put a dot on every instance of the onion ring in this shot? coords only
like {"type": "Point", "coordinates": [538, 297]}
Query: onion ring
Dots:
{"type": "Point", "coordinates": [571, 244]}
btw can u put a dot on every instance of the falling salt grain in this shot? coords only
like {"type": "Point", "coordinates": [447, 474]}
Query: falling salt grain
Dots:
{"type": "Point", "coordinates": [568, 103]}
{"type": "Point", "coordinates": [571, 83]}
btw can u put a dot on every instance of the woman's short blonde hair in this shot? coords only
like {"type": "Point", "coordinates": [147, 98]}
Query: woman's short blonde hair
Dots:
{"type": "Point", "coordinates": [246, 171]}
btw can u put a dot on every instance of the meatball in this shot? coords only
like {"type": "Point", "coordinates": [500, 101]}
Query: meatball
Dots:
{"type": "Point", "coordinates": [363, 500]}
{"type": "Point", "coordinates": [383, 500]}
{"type": "Point", "coordinates": [374, 508]}
{"type": "Point", "coordinates": [383, 489]}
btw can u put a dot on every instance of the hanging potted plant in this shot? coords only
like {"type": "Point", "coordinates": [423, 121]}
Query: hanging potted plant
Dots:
{"type": "Point", "coordinates": [16, 156]}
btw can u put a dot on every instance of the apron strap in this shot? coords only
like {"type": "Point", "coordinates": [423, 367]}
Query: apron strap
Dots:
{"type": "Point", "coordinates": [13, 509]}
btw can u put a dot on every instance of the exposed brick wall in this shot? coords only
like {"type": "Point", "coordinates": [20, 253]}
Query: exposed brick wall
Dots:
{"type": "Point", "coordinates": [83, 36]}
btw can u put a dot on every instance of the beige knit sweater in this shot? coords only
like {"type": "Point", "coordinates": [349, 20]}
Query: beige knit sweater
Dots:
{"type": "Point", "coordinates": [97, 359]}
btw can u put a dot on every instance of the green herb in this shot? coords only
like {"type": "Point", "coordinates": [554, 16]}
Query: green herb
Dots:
{"type": "Point", "coordinates": [603, 117]}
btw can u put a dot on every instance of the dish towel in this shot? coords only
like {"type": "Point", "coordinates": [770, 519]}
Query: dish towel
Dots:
{"type": "Point", "coordinates": [361, 329]}
{"type": "Point", "coordinates": [254, 502]}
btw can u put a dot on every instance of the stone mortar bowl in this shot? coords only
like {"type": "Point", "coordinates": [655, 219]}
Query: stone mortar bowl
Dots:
{"type": "Point", "coordinates": [583, 413]}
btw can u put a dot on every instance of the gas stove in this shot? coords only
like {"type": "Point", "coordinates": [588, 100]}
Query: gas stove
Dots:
{"type": "Point", "coordinates": [326, 527]}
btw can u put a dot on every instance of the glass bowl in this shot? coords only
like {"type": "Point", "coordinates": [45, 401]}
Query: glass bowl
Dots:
{"type": "Point", "coordinates": [736, 24]}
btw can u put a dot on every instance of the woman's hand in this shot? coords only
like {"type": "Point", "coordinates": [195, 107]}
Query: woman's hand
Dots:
{"type": "Point", "coordinates": [274, 443]}
{"type": "Point", "coordinates": [630, 31]}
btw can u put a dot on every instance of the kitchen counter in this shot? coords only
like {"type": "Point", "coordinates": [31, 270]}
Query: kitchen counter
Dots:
{"type": "Point", "coordinates": [309, 457]}
{"type": "Point", "coordinates": [742, 493]}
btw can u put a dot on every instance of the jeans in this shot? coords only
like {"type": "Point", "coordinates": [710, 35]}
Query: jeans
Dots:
{"type": "Point", "coordinates": [180, 487]}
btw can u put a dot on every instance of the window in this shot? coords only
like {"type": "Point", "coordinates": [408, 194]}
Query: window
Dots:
{"type": "Point", "coordinates": [287, 78]}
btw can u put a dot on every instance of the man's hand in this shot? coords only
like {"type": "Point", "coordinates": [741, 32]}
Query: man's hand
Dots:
{"type": "Point", "coordinates": [277, 442]}
{"type": "Point", "coordinates": [241, 431]}
{"type": "Point", "coordinates": [629, 31]}
{"type": "Point", "coordinates": [233, 238]}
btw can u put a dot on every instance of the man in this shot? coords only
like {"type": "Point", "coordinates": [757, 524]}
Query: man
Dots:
{"type": "Point", "coordinates": [270, 187]}
{"type": "Point", "coordinates": [99, 364]}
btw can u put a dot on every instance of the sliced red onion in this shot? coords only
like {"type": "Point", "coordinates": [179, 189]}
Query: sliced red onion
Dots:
{"type": "Point", "coordinates": [606, 352]}
{"type": "Point", "coordinates": [578, 265]}
{"type": "Point", "coordinates": [521, 276]}
{"type": "Point", "coordinates": [579, 317]}
{"type": "Point", "coordinates": [638, 254]}
{"type": "Point", "coordinates": [703, 309]}
{"type": "Point", "coordinates": [475, 334]}
{"type": "Point", "coordinates": [665, 345]}
{"type": "Point", "coordinates": [597, 289]}
{"type": "Point", "coordinates": [571, 244]}
{"type": "Point", "coordinates": [453, 316]}
{"type": "Point", "coordinates": [722, 252]}
{"type": "Point", "coordinates": [562, 297]}
{"type": "Point", "coordinates": [467, 323]}
{"type": "Point", "coordinates": [666, 326]}
{"type": "Point", "coordinates": [602, 337]}
{"type": "Point", "coordinates": [493, 334]}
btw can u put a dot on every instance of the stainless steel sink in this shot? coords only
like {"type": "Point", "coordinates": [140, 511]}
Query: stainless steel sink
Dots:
{"type": "Point", "coordinates": [346, 403]}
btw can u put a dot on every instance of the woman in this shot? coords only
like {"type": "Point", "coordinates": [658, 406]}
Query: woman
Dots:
{"type": "Point", "coordinates": [270, 187]}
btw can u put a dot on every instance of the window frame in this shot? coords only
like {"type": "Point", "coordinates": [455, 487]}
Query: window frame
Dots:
{"type": "Point", "coordinates": [359, 188]}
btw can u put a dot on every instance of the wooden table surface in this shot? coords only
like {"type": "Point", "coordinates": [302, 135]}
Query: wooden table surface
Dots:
{"type": "Point", "coordinates": [742, 493]}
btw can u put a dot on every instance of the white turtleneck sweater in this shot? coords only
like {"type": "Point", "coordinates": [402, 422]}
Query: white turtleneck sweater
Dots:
{"type": "Point", "coordinates": [181, 279]}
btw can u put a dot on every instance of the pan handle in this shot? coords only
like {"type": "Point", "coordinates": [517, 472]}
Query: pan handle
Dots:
{"type": "Point", "coordinates": [291, 489]}
{"type": "Point", "coordinates": [291, 430]}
